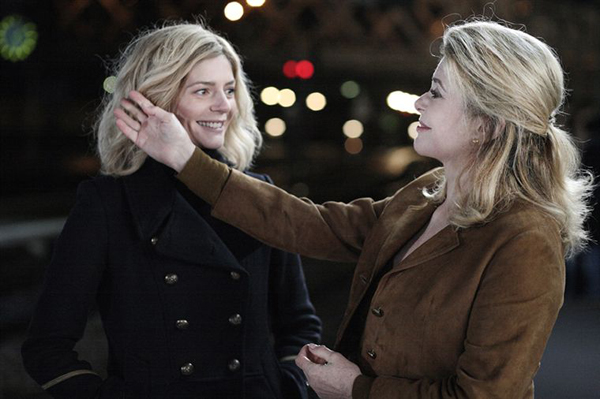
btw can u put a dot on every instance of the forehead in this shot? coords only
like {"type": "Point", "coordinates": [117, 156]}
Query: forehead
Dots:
{"type": "Point", "coordinates": [212, 69]}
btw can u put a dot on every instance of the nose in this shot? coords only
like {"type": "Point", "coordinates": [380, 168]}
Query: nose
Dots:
{"type": "Point", "coordinates": [221, 103]}
{"type": "Point", "coordinates": [420, 103]}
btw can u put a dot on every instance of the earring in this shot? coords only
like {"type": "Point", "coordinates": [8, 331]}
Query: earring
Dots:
{"type": "Point", "coordinates": [475, 141]}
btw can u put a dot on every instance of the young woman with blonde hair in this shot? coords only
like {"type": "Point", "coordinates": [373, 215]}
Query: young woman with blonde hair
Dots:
{"type": "Point", "coordinates": [460, 274]}
{"type": "Point", "coordinates": [191, 306]}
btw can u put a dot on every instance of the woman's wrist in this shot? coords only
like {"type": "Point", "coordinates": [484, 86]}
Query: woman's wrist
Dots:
{"type": "Point", "coordinates": [182, 156]}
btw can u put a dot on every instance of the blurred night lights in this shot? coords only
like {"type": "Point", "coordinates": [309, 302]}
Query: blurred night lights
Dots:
{"type": "Point", "coordinates": [233, 11]}
{"type": "Point", "coordinates": [287, 98]}
{"type": "Point", "coordinates": [305, 69]}
{"type": "Point", "coordinates": [316, 101]}
{"type": "Point", "coordinates": [109, 84]}
{"type": "Point", "coordinates": [353, 129]}
{"type": "Point", "coordinates": [353, 145]}
{"type": "Point", "coordinates": [275, 127]}
{"type": "Point", "coordinates": [18, 38]}
{"type": "Point", "coordinates": [255, 3]}
{"type": "Point", "coordinates": [412, 130]}
{"type": "Point", "coordinates": [350, 89]}
{"type": "Point", "coordinates": [403, 102]}
{"type": "Point", "coordinates": [270, 95]}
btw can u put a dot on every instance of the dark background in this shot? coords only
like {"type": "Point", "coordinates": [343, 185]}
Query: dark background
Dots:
{"type": "Point", "coordinates": [48, 101]}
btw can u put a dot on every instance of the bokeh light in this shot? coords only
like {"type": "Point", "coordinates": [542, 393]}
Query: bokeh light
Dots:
{"type": "Point", "coordinates": [350, 89]}
{"type": "Point", "coordinates": [109, 84]}
{"type": "Point", "coordinates": [305, 69]}
{"type": "Point", "coordinates": [287, 98]}
{"type": "Point", "coordinates": [403, 102]}
{"type": "Point", "coordinates": [353, 145]}
{"type": "Point", "coordinates": [233, 11]}
{"type": "Point", "coordinates": [412, 130]}
{"type": "Point", "coordinates": [316, 101]}
{"type": "Point", "coordinates": [255, 3]}
{"type": "Point", "coordinates": [289, 69]}
{"type": "Point", "coordinates": [18, 38]}
{"type": "Point", "coordinates": [275, 127]}
{"type": "Point", "coordinates": [270, 95]}
{"type": "Point", "coordinates": [353, 128]}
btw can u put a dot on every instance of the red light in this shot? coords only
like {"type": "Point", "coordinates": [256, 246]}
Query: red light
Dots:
{"type": "Point", "coordinates": [289, 69]}
{"type": "Point", "coordinates": [305, 69]}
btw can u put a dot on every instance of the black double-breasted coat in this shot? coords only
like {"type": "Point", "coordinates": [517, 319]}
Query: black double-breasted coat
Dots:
{"type": "Point", "coordinates": [191, 307]}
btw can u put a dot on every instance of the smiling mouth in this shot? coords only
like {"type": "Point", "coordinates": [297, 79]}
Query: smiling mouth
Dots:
{"type": "Point", "coordinates": [212, 125]}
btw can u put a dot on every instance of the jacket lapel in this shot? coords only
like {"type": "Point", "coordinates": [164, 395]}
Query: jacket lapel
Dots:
{"type": "Point", "coordinates": [159, 211]}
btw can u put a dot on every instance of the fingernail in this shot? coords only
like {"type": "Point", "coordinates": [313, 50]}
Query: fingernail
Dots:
{"type": "Point", "coordinates": [312, 346]}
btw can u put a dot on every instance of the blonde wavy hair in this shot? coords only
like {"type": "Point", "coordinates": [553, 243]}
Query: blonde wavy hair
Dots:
{"type": "Point", "coordinates": [514, 83]}
{"type": "Point", "coordinates": [156, 64]}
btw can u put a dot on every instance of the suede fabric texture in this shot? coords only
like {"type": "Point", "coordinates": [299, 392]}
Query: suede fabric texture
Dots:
{"type": "Point", "coordinates": [466, 315]}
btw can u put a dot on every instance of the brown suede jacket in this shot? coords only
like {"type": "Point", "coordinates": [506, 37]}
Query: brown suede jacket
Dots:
{"type": "Point", "coordinates": [466, 315]}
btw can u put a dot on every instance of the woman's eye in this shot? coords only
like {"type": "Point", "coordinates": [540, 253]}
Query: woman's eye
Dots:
{"type": "Point", "coordinates": [434, 93]}
{"type": "Point", "coordinates": [230, 91]}
{"type": "Point", "coordinates": [201, 92]}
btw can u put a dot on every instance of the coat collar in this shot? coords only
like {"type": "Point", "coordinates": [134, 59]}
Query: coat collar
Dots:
{"type": "Point", "coordinates": [159, 211]}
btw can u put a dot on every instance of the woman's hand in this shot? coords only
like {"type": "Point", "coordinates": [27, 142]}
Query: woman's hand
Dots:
{"type": "Point", "coordinates": [155, 131]}
{"type": "Point", "coordinates": [329, 373]}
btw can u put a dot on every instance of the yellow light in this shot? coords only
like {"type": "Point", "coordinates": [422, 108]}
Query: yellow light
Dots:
{"type": "Point", "coordinates": [270, 95]}
{"type": "Point", "coordinates": [353, 145]}
{"type": "Point", "coordinates": [403, 102]}
{"type": "Point", "coordinates": [255, 3]}
{"type": "Point", "coordinates": [316, 101]}
{"type": "Point", "coordinates": [109, 84]}
{"type": "Point", "coordinates": [233, 11]}
{"type": "Point", "coordinates": [353, 128]}
{"type": "Point", "coordinates": [350, 89]}
{"type": "Point", "coordinates": [287, 98]}
{"type": "Point", "coordinates": [412, 130]}
{"type": "Point", "coordinates": [275, 127]}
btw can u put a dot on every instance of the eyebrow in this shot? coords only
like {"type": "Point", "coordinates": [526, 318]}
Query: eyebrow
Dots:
{"type": "Point", "coordinates": [436, 80]}
{"type": "Point", "coordinates": [209, 83]}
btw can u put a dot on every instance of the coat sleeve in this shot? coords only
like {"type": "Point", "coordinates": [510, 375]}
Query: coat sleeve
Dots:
{"type": "Point", "coordinates": [294, 322]}
{"type": "Point", "coordinates": [69, 291]}
{"type": "Point", "coordinates": [332, 231]}
{"type": "Point", "coordinates": [518, 300]}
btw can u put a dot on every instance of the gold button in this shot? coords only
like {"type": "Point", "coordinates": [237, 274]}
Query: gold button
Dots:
{"type": "Point", "coordinates": [187, 369]}
{"type": "Point", "coordinates": [154, 240]}
{"type": "Point", "coordinates": [234, 275]}
{"type": "Point", "coordinates": [171, 278]}
{"type": "Point", "coordinates": [234, 365]}
{"type": "Point", "coordinates": [182, 324]}
{"type": "Point", "coordinates": [372, 354]}
{"type": "Point", "coordinates": [235, 320]}
{"type": "Point", "coordinates": [377, 311]}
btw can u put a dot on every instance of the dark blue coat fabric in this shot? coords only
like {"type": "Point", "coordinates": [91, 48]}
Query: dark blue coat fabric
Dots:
{"type": "Point", "coordinates": [191, 307]}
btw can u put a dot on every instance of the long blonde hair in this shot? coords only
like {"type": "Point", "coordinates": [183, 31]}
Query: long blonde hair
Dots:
{"type": "Point", "coordinates": [514, 83]}
{"type": "Point", "coordinates": [156, 64]}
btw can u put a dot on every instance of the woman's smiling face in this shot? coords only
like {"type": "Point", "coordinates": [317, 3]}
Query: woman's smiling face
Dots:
{"type": "Point", "coordinates": [444, 130]}
{"type": "Point", "coordinates": [206, 104]}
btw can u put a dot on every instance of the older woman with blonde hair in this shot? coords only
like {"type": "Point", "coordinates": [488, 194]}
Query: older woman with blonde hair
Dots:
{"type": "Point", "coordinates": [460, 274]}
{"type": "Point", "coordinates": [192, 307]}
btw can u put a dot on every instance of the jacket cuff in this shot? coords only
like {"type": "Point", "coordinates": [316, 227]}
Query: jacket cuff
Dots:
{"type": "Point", "coordinates": [362, 387]}
{"type": "Point", "coordinates": [205, 176]}
{"type": "Point", "coordinates": [80, 386]}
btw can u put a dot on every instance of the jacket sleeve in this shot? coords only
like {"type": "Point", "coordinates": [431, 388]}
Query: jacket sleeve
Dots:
{"type": "Point", "coordinates": [518, 300]}
{"type": "Point", "coordinates": [332, 231]}
{"type": "Point", "coordinates": [69, 291]}
{"type": "Point", "coordinates": [293, 319]}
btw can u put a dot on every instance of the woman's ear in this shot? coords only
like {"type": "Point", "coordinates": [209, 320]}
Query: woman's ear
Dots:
{"type": "Point", "coordinates": [489, 128]}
